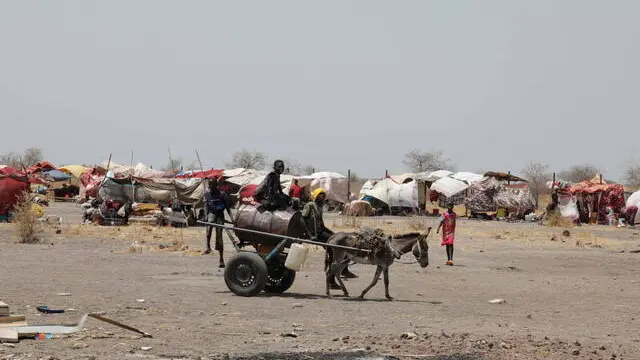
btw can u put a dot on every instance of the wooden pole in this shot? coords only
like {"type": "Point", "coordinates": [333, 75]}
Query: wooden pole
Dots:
{"type": "Point", "coordinates": [348, 186]}
{"type": "Point", "coordinates": [199, 162]}
{"type": "Point", "coordinates": [386, 174]}
{"type": "Point", "coordinates": [173, 167]}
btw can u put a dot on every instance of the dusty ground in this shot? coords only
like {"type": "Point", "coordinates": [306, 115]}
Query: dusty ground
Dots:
{"type": "Point", "coordinates": [572, 297]}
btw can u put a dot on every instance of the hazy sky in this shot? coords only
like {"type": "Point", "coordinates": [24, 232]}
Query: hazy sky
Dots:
{"type": "Point", "coordinates": [336, 84]}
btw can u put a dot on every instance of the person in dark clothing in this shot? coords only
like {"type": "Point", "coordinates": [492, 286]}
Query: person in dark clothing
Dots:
{"type": "Point", "coordinates": [215, 204]}
{"type": "Point", "coordinates": [269, 193]}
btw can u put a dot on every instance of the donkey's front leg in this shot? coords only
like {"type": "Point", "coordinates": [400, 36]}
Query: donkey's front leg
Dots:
{"type": "Point", "coordinates": [373, 282]}
{"type": "Point", "coordinates": [385, 272]}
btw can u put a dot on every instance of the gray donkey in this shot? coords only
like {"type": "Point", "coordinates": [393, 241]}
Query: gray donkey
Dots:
{"type": "Point", "coordinates": [415, 242]}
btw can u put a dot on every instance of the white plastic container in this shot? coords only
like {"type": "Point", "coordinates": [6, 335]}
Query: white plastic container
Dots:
{"type": "Point", "coordinates": [296, 257]}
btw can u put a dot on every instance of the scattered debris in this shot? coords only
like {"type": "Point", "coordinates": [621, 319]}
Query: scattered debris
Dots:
{"type": "Point", "coordinates": [408, 335]}
{"type": "Point", "coordinates": [504, 345]}
{"type": "Point", "coordinates": [297, 305]}
{"type": "Point", "coordinates": [529, 316]}
{"type": "Point", "coordinates": [290, 334]}
{"type": "Point", "coordinates": [140, 300]}
{"type": "Point", "coordinates": [78, 346]}
{"type": "Point", "coordinates": [575, 352]}
{"type": "Point", "coordinates": [566, 233]}
{"type": "Point", "coordinates": [497, 301]}
{"type": "Point", "coordinates": [46, 310]}
{"type": "Point", "coordinates": [64, 294]}
{"type": "Point", "coordinates": [146, 348]}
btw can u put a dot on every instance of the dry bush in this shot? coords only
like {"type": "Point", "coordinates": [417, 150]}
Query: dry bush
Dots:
{"type": "Point", "coordinates": [556, 220]}
{"type": "Point", "coordinates": [25, 220]}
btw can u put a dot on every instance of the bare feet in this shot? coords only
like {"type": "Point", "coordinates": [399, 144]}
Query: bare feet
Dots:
{"type": "Point", "coordinates": [208, 251]}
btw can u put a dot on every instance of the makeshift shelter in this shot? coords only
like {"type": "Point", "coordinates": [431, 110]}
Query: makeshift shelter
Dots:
{"type": "Point", "coordinates": [496, 191]}
{"type": "Point", "coordinates": [598, 195]}
{"type": "Point", "coordinates": [12, 184]}
{"type": "Point", "coordinates": [449, 187]}
{"type": "Point", "coordinates": [392, 194]}
{"type": "Point", "coordinates": [334, 184]}
{"type": "Point", "coordinates": [159, 190]}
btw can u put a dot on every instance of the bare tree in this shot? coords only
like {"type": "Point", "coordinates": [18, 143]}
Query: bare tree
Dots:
{"type": "Point", "coordinates": [632, 175]}
{"type": "Point", "coordinates": [537, 175]}
{"type": "Point", "coordinates": [578, 173]}
{"type": "Point", "coordinates": [10, 159]}
{"type": "Point", "coordinates": [296, 168]}
{"type": "Point", "coordinates": [248, 159]}
{"type": "Point", "coordinates": [420, 161]}
{"type": "Point", "coordinates": [32, 156]}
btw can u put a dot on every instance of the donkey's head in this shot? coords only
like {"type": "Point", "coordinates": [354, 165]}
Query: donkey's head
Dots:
{"type": "Point", "coordinates": [421, 249]}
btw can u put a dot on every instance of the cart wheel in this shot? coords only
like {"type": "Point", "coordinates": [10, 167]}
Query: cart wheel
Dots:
{"type": "Point", "coordinates": [246, 274]}
{"type": "Point", "coordinates": [280, 279]}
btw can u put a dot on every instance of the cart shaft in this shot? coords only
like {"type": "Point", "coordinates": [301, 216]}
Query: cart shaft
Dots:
{"type": "Point", "coordinates": [305, 241]}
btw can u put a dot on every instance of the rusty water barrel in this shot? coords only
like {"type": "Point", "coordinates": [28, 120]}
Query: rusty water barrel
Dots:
{"type": "Point", "coordinates": [278, 222]}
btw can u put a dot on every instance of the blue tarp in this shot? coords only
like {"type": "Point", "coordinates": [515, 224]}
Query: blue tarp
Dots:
{"type": "Point", "coordinates": [58, 175]}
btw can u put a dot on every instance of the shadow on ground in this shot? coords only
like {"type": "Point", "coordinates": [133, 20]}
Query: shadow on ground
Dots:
{"type": "Point", "coordinates": [351, 356]}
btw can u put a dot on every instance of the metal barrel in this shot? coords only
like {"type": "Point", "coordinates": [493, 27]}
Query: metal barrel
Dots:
{"type": "Point", "coordinates": [284, 223]}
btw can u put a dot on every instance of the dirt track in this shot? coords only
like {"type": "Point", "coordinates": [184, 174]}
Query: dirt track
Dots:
{"type": "Point", "coordinates": [576, 295]}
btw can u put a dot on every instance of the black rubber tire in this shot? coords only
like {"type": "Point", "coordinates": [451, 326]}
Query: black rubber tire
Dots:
{"type": "Point", "coordinates": [246, 274]}
{"type": "Point", "coordinates": [280, 279]}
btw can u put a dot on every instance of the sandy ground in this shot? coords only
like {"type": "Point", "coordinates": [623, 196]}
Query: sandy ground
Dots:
{"type": "Point", "coordinates": [572, 297]}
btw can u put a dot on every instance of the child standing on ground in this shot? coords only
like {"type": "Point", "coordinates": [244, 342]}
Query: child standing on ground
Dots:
{"type": "Point", "coordinates": [448, 224]}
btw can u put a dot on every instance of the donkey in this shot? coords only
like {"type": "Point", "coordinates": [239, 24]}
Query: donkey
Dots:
{"type": "Point", "coordinates": [415, 242]}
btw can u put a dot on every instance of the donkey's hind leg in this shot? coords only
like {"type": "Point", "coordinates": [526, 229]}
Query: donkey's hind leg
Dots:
{"type": "Point", "coordinates": [386, 284]}
{"type": "Point", "coordinates": [373, 282]}
{"type": "Point", "coordinates": [339, 267]}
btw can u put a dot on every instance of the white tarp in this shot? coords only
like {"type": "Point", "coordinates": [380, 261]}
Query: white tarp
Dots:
{"type": "Point", "coordinates": [634, 199]}
{"type": "Point", "coordinates": [568, 206]}
{"type": "Point", "coordinates": [242, 177]}
{"type": "Point", "coordinates": [448, 186]}
{"type": "Point", "coordinates": [140, 170]}
{"type": "Point", "coordinates": [325, 174]}
{"type": "Point", "coordinates": [392, 193]}
{"type": "Point", "coordinates": [434, 175]}
{"type": "Point", "coordinates": [468, 177]}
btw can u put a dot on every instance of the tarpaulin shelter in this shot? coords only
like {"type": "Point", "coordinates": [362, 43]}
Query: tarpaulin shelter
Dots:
{"type": "Point", "coordinates": [159, 190]}
{"type": "Point", "coordinates": [140, 170]}
{"type": "Point", "coordinates": [41, 166]}
{"type": "Point", "coordinates": [392, 193]}
{"type": "Point", "coordinates": [75, 170]}
{"type": "Point", "coordinates": [334, 184]}
{"type": "Point", "coordinates": [12, 184]}
{"type": "Point", "coordinates": [57, 175]}
{"type": "Point", "coordinates": [495, 191]}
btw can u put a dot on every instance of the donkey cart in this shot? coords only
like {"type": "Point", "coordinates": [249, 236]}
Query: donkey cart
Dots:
{"type": "Point", "coordinates": [271, 235]}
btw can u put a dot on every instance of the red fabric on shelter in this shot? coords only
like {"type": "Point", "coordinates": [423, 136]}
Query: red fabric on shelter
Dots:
{"type": "Point", "coordinates": [246, 195]}
{"type": "Point", "coordinates": [42, 165]}
{"type": "Point", "coordinates": [12, 184]}
{"type": "Point", "coordinates": [207, 174]}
